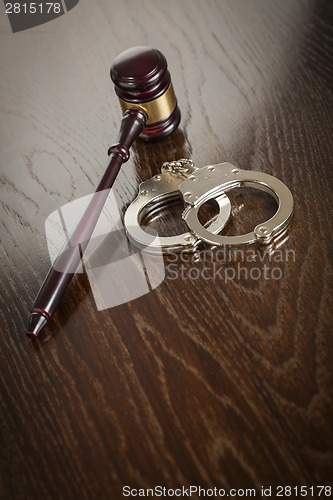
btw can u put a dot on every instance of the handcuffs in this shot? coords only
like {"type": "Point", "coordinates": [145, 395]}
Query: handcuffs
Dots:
{"type": "Point", "coordinates": [197, 186]}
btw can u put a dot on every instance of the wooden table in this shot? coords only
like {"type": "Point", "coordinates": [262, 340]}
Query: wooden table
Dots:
{"type": "Point", "coordinates": [203, 382]}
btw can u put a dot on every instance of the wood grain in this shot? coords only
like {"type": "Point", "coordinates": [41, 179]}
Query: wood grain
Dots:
{"type": "Point", "coordinates": [199, 382]}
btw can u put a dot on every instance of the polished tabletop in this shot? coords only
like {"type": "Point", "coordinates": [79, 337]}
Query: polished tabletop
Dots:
{"type": "Point", "coordinates": [220, 376]}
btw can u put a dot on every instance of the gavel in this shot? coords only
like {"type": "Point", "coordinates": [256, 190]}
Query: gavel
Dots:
{"type": "Point", "coordinates": [143, 85]}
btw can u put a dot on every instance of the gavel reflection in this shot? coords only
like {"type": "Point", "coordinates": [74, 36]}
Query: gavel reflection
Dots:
{"type": "Point", "coordinates": [143, 85]}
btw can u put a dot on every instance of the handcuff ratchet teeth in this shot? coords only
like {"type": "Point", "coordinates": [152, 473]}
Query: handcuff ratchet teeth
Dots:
{"type": "Point", "coordinates": [154, 193]}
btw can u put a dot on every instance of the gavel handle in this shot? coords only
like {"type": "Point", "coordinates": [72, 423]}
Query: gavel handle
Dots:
{"type": "Point", "coordinates": [66, 263]}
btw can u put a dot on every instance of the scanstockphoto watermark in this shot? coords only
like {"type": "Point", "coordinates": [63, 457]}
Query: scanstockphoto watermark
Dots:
{"type": "Point", "coordinates": [285, 491]}
{"type": "Point", "coordinates": [230, 265]}
{"type": "Point", "coordinates": [188, 492]}
{"type": "Point", "coordinates": [120, 272]}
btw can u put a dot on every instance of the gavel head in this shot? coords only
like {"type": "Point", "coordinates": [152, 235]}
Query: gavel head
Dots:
{"type": "Point", "coordinates": [142, 81]}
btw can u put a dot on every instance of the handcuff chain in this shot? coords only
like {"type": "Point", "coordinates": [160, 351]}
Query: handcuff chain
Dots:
{"type": "Point", "coordinates": [182, 167]}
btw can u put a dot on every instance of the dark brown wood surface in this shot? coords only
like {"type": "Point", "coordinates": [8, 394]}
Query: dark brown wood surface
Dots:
{"type": "Point", "coordinates": [200, 382]}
